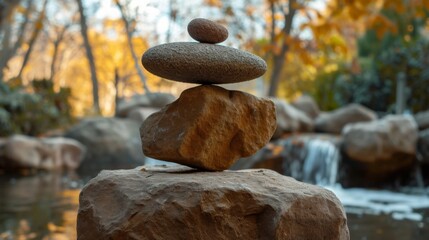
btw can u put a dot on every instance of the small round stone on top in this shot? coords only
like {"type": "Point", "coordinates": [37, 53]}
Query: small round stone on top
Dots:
{"type": "Point", "coordinates": [206, 31]}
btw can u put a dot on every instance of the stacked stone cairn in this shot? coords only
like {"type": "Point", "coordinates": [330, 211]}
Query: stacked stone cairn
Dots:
{"type": "Point", "coordinates": [208, 127]}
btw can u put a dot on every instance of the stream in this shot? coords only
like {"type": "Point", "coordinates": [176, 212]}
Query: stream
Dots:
{"type": "Point", "coordinates": [44, 205]}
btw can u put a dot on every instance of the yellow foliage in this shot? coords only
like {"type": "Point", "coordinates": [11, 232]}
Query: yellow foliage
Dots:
{"type": "Point", "coordinates": [110, 54]}
{"type": "Point", "coordinates": [20, 9]}
{"type": "Point", "coordinates": [213, 3]}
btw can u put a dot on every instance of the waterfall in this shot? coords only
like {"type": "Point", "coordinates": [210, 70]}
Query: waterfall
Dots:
{"type": "Point", "coordinates": [321, 162]}
{"type": "Point", "coordinates": [311, 159]}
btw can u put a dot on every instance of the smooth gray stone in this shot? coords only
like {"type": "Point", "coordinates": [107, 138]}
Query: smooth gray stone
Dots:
{"type": "Point", "coordinates": [202, 63]}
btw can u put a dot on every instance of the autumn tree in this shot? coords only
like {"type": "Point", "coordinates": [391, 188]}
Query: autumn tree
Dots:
{"type": "Point", "coordinates": [390, 47]}
{"type": "Point", "coordinates": [59, 25]}
{"type": "Point", "coordinates": [11, 41]}
{"type": "Point", "coordinates": [90, 57]}
{"type": "Point", "coordinates": [129, 31]}
{"type": "Point", "coordinates": [279, 37]}
{"type": "Point", "coordinates": [37, 28]}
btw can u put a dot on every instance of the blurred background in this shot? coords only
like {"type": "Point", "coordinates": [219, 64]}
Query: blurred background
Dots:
{"type": "Point", "coordinates": [350, 80]}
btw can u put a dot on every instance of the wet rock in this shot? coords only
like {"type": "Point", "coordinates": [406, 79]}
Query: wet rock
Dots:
{"type": "Point", "coordinates": [140, 114]}
{"type": "Point", "coordinates": [423, 146]}
{"type": "Point", "coordinates": [180, 203]}
{"type": "Point", "coordinates": [422, 119]}
{"type": "Point", "coordinates": [111, 143]}
{"type": "Point", "coordinates": [389, 143]}
{"type": "Point", "coordinates": [202, 63]}
{"type": "Point", "coordinates": [307, 104]}
{"type": "Point", "coordinates": [68, 153]}
{"type": "Point", "coordinates": [206, 31]}
{"type": "Point", "coordinates": [334, 122]}
{"type": "Point", "coordinates": [290, 119]}
{"type": "Point", "coordinates": [151, 100]}
{"type": "Point", "coordinates": [23, 152]}
{"type": "Point", "coordinates": [209, 127]}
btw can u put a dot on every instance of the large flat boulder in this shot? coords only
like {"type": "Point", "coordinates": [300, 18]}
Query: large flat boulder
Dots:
{"type": "Point", "coordinates": [182, 203]}
{"type": "Point", "coordinates": [334, 122]}
{"type": "Point", "coordinates": [389, 142]}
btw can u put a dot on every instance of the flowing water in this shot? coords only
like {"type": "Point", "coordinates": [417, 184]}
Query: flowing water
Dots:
{"type": "Point", "coordinates": [44, 205]}
{"type": "Point", "coordinates": [371, 214]}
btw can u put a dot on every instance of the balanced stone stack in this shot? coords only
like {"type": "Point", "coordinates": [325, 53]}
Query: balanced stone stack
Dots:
{"type": "Point", "coordinates": [208, 127]}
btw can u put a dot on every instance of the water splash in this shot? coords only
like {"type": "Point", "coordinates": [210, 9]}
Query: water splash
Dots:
{"type": "Point", "coordinates": [375, 202]}
{"type": "Point", "coordinates": [311, 159]}
{"type": "Point", "coordinates": [321, 162]}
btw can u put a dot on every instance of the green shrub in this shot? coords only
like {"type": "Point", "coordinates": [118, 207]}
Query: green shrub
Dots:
{"type": "Point", "coordinates": [33, 113]}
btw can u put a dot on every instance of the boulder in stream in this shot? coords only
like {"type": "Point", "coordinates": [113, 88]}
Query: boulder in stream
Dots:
{"type": "Point", "coordinates": [182, 203]}
{"type": "Point", "coordinates": [24, 152]}
{"type": "Point", "coordinates": [111, 143]}
{"type": "Point", "coordinates": [386, 145]}
{"type": "Point", "coordinates": [334, 122]}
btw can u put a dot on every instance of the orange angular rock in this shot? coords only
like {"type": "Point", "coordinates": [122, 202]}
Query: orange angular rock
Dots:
{"type": "Point", "coordinates": [209, 127]}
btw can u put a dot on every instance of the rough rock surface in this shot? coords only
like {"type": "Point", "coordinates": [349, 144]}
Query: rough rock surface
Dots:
{"type": "Point", "coordinates": [422, 119]}
{"type": "Point", "coordinates": [181, 203]}
{"type": "Point", "coordinates": [389, 140]}
{"type": "Point", "coordinates": [23, 152]}
{"type": "Point", "coordinates": [206, 31]}
{"type": "Point", "coordinates": [152, 100]}
{"type": "Point", "coordinates": [307, 104]}
{"type": "Point", "coordinates": [290, 119]}
{"type": "Point", "coordinates": [111, 143]}
{"type": "Point", "coordinates": [334, 122]}
{"type": "Point", "coordinates": [209, 127]}
{"type": "Point", "coordinates": [423, 146]}
{"type": "Point", "coordinates": [202, 63]}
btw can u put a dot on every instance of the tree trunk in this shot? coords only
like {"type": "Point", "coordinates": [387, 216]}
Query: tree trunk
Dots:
{"type": "Point", "coordinates": [90, 57]}
{"type": "Point", "coordinates": [276, 75]}
{"type": "Point", "coordinates": [38, 26]}
{"type": "Point", "coordinates": [279, 59]}
{"type": "Point", "coordinates": [7, 52]}
{"type": "Point", "coordinates": [131, 47]}
{"type": "Point", "coordinates": [116, 84]}
{"type": "Point", "coordinates": [57, 43]}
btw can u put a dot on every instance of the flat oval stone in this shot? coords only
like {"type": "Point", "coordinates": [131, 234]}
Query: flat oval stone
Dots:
{"type": "Point", "coordinates": [202, 63]}
{"type": "Point", "coordinates": [206, 31]}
